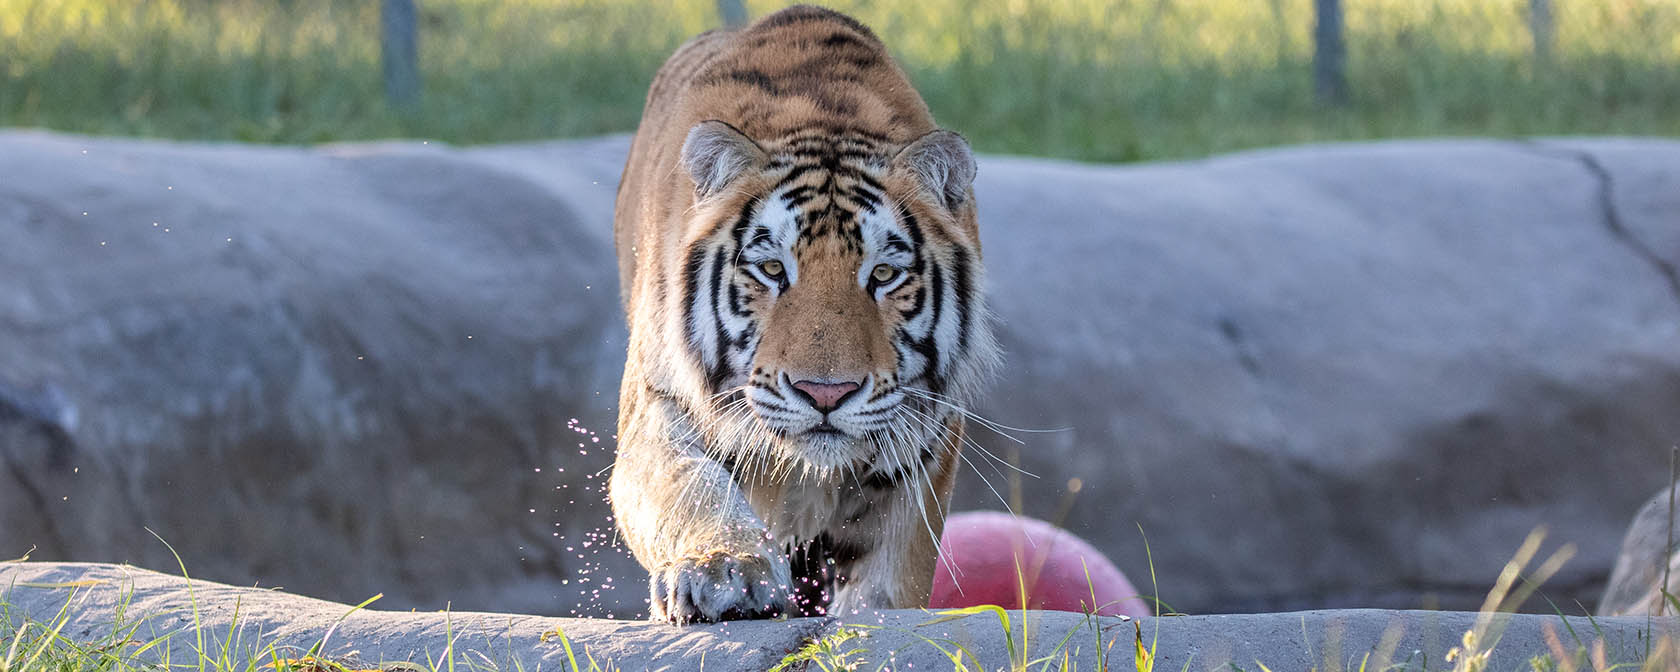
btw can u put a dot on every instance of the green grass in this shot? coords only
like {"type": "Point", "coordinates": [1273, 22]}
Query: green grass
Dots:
{"type": "Point", "coordinates": [1087, 79]}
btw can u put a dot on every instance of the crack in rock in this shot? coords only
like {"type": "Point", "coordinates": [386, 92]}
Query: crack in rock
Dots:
{"type": "Point", "coordinates": [1245, 352]}
{"type": "Point", "coordinates": [1611, 213]}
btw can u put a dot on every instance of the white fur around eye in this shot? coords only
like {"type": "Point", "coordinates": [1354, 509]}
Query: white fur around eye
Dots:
{"type": "Point", "coordinates": [878, 289]}
{"type": "Point", "coordinates": [760, 270]}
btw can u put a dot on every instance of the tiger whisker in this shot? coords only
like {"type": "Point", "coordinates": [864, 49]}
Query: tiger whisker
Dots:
{"type": "Point", "coordinates": [920, 477]}
{"type": "Point", "coordinates": [993, 425]}
{"type": "Point", "coordinates": [989, 455]}
{"type": "Point", "coordinates": [930, 424]}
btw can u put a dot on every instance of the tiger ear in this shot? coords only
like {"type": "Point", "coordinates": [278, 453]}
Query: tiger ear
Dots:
{"type": "Point", "coordinates": [942, 163]}
{"type": "Point", "coordinates": [715, 154]}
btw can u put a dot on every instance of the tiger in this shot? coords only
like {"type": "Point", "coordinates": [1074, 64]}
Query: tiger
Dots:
{"type": "Point", "coordinates": [799, 262]}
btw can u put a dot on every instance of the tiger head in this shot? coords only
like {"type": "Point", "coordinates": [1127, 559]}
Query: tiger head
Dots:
{"type": "Point", "coordinates": [833, 291]}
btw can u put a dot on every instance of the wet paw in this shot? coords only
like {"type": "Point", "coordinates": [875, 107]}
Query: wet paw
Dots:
{"type": "Point", "coordinates": [720, 586]}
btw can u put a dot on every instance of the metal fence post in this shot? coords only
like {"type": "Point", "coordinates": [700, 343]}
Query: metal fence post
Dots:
{"type": "Point", "coordinates": [733, 12]}
{"type": "Point", "coordinates": [399, 48]}
{"type": "Point", "coordinates": [1329, 53]}
{"type": "Point", "coordinates": [1541, 29]}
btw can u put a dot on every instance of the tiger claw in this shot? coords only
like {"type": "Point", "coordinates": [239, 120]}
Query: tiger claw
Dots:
{"type": "Point", "coordinates": [718, 586]}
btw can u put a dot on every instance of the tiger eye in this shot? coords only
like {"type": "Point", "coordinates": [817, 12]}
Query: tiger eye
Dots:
{"type": "Point", "coordinates": [883, 273]}
{"type": "Point", "coordinates": [771, 268]}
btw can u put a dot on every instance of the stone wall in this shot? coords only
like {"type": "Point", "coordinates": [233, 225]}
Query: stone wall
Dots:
{"type": "Point", "coordinates": [1351, 375]}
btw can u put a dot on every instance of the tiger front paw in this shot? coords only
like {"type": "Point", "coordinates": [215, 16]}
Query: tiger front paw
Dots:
{"type": "Point", "coordinates": [720, 586]}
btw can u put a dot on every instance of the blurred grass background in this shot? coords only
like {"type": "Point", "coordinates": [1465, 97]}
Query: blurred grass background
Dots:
{"type": "Point", "coordinates": [1111, 80]}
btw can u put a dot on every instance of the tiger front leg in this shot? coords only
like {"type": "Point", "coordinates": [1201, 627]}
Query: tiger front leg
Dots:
{"type": "Point", "coordinates": [707, 554]}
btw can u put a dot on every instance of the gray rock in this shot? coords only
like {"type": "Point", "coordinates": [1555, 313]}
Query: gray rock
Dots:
{"type": "Point", "coordinates": [157, 606]}
{"type": "Point", "coordinates": [284, 359]}
{"type": "Point", "coordinates": [1350, 375]}
{"type": "Point", "coordinates": [1647, 560]}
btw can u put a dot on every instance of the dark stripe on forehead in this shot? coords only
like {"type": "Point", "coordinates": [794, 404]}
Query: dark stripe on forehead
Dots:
{"type": "Point", "coordinates": [827, 151]}
{"type": "Point", "coordinates": [799, 196]}
{"type": "Point", "coordinates": [830, 133]}
{"type": "Point", "coordinates": [842, 142]}
{"type": "Point", "coordinates": [833, 104]}
{"type": "Point", "coordinates": [865, 198]}
{"type": "Point", "coordinates": [757, 79]}
{"type": "Point", "coordinates": [869, 181]}
{"type": "Point", "coordinates": [799, 171]}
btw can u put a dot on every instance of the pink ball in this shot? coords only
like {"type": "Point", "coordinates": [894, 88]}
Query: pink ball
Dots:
{"type": "Point", "coordinates": [983, 546]}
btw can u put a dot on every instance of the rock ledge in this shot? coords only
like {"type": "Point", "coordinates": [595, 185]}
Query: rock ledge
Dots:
{"type": "Point", "coordinates": [258, 618]}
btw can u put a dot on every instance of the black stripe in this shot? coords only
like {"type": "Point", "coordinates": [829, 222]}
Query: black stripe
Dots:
{"type": "Point", "coordinates": [754, 78]}
{"type": "Point", "coordinates": [959, 271]}
{"type": "Point", "coordinates": [806, 13]}
{"type": "Point", "coordinates": [738, 301]}
{"type": "Point", "coordinates": [897, 243]}
{"type": "Point", "coordinates": [740, 342]}
{"type": "Point", "coordinates": [743, 218]}
{"type": "Point", "coordinates": [916, 304]}
{"type": "Point", "coordinates": [832, 104]}
{"type": "Point", "coordinates": [797, 172]}
{"type": "Point", "coordinates": [870, 181]}
{"type": "Point", "coordinates": [720, 372]}
{"type": "Point", "coordinates": [936, 298]}
{"type": "Point", "coordinates": [691, 291]}
{"type": "Point", "coordinates": [842, 39]}
{"type": "Point", "coordinates": [914, 227]}
{"type": "Point", "coordinates": [799, 196]}
{"type": "Point", "coordinates": [865, 197]}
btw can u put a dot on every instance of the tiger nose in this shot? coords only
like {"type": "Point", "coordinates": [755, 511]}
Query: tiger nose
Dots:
{"type": "Point", "coordinates": [825, 396]}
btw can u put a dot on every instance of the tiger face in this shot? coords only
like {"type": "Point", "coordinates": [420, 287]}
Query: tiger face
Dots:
{"type": "Point", "coordinates": [833, 293]}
